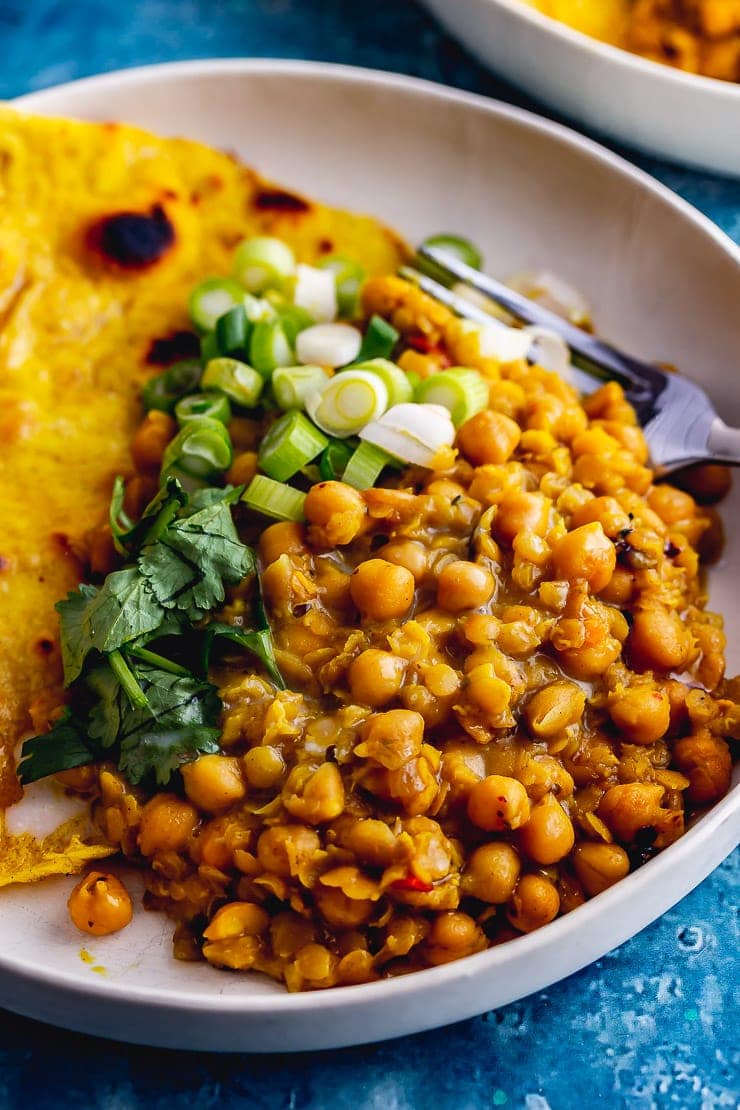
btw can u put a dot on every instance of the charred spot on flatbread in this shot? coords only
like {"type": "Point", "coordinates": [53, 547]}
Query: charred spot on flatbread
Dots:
{"type": "Point", "coordinates": [132, 240]}
{"type": "Point", "coordinates": [279, 200]}
{"type": "Point", "coordinates": [172, 348]}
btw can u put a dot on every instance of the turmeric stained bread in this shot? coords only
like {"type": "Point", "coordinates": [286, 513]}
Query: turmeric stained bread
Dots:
{"type": "Point", "coordinates": [387, 646]}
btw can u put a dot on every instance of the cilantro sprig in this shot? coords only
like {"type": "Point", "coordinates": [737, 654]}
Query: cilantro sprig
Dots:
{"type": "Point", "coordinates": [131, 703]}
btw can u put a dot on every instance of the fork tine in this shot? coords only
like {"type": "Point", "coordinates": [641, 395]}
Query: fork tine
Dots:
{"type": "Point", "coordinates": [582, 380]}
{"type": "Point", "coordinates": [643, 383]}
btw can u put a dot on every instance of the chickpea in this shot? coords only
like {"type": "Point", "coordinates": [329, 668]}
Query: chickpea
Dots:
{"type": "Point", "coordinates": [620, 588]}
{"type": "Point", "coordinates": [518, 512]}
{"type": "Point", "coordinates": [641, 713]}
{"type": "Point", "coordinates": [452, 935]}
{"type": "Point", "coordinates": [264, 766]}
{"type": "Point", "coordinates": [282, 849]}
{"type": "Point", "coordinates": [237, 919]}
{"type": "Point", "coordinates": [659, 639]}
{"type": "Point", "coordinates": [599, 866]}
{"type": "Point", "coordinates": [409, 554]}
{"type": "Point", "coordinates": [548, 835]}
{"type": "Point", "coordinates": [373, 842]}
{"type": "Point", "coordinates": [284, 538]}
{"type": "Point", "coordinates": [100, 904]}
{"type": "Point", "coordinates": [488, 437]}
{"type": "Point", "coordinates": [706, 484]}
{"type": "Point", "coordinates": [382, 591]}
{"type": "Point", "coordinates": [214, 782]}
{"type": "Point", "coordinates": [336, 513]}
{"type": "Point", "coordinates": [211, 847]}
{"type": "Point", "coordinates": [629, 807]}
{"type": "Point", "coordinates": [707, 763]}
{"type": "Point", "coordinates": [375, 677]}
{"type": "Point", "coordinates": [606, 511]}
{"type": "Point", "coordinates": [491, 873]}
{"type": "Point", "coordinates": [498, 804]}
{"type": "Point", "coordinates": [392, 738]}
{"type": "Point", "coordinates": [463, 585]}
{"type": "Point", "coordinates": [166, 824]}
{"type": "Point", "coordinates": [243, 468]}
{"type": "Point", "coordinates": [491, 694]}
{"type": "Point", "coordinates": [553, 708]}
{"type": "Point", "coordinates": [587, 553]}
{"type": "Point", "coordinates": [535, 903]}
{"type": "Point", "coordinates": [314, 796]}
{"type": "Point", "coordinates": [672, 505]}
{"type": "Point", "coordinates": [154, 433]}
{"type": "Point", "coordinates": [340, 911]}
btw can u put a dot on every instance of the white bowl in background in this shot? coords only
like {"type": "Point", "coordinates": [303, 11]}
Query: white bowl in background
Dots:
{"type": "Point", "coordinates": [660, 110]}
{"type": "Point", "coordinates": [663, 281]}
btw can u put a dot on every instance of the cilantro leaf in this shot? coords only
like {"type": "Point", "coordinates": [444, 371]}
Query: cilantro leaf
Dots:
{"type": "Point", "coordinates": [74, 641]}
{"type": "Point", "coordinates": [123, 609]}
{"type": "Point", "coordinates": [259, 643]}
{"type": "Point", "coordinates": [104, 722]}
{"type": "Point", "coordinates": [164, 506]}
{"type": "Point", "coordinates": [65, 746]}
{"type": "Point", "coordinates": [179, 723]}
{"type": "Point", "coordinates": [189, 565]}
{"type": "Point", "coordinates": [160, 752]}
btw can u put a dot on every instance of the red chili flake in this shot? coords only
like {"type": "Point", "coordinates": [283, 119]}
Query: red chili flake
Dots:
{"type": "Point", "coordinates": [325, 246]}
{"type": "Point", "coordinates": [173, 348]}
{"type": "Point", "coordinates": [278, 200]}
{"type": "Point", "coordinates": [411, 883]}
{"type": "Point", "coordinates": [420, 342]}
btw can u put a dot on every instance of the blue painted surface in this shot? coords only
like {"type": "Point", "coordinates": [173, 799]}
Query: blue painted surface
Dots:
{"type": "Point", "coordinates": [654, 1024]}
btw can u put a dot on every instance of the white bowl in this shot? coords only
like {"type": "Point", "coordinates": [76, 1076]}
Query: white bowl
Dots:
{"type": "Point", "coordinates": [660, 110]}
{"type": "Point", "coordinates": [662, 279]}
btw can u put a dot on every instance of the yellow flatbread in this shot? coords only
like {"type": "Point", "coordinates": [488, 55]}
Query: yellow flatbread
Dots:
{"type": "Point", "coordinates": [104, 230]}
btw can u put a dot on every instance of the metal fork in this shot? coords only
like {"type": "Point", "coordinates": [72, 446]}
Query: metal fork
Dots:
{"type": "Point", "coordinates": [680, 423]}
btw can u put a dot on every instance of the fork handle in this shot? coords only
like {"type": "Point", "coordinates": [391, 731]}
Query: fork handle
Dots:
{"type": "Point", "coordinates": [723, 444]}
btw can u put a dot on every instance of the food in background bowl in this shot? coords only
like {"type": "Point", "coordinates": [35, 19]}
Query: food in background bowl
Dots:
{"type": "Point", "coordinates": [698, 36]}
{"type": "Point", "coordinates": [390, 648]}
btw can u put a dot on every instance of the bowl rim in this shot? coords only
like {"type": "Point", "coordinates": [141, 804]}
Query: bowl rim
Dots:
{"type": "Point", "coordinates": [664, 865]}
{"type": "Point", "coordinates": [609, 52]}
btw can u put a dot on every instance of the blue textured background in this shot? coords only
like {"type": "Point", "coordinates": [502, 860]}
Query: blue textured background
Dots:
{"type": "Point", "coordinates": [654, 1024]}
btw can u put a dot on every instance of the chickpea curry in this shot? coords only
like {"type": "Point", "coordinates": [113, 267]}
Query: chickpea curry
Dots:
{"type": "Point", "coordinates": [389, 648]}
{"type": "Point", "coordinates": [697, 36]}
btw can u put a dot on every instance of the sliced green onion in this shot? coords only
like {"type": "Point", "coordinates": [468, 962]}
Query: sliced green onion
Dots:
{"type": "Point", "coordinates": [464, 392]}
{"type": "Point", "coordinates": [209, 347]}
{"type": "Point", "coordinates": [214, 405]}
{"type": "Point", "coordinates": [163, 391]}
{"type": "Point", "coordinates": [232, 331]}
{"type": "Point", "coordinates": [238, 381]}
{"type": "Point", "coordinates": [333, 461]}
{"type": "Point", "coordinates": [348, 402]}
{"type": "Point", "coordinates": [379, 340]}
{"type": "Point", "coordinates": [294, 320]}
{"type": "Point", "coordinates": [396, 381]}
{"type": "Point", "coordinates": [364, 468]}
{"type": "Point", "coordinates": [498, 341]}
{"type": "Point", "coordinates": [261, 308]}
{"type": "Point", "coordinates": [412, 433]}
{"type": "Point", "coordinates": [289, 445]}
{"type": "Point", "coordinates": [263, 263]}
{"type": "Point", "coordinates": [329, 345]}
{"type": "Point", "coordinates": [269, 347]}
{"type": "Point", "coordinates": [291, 385]}
{"type": "Point", "coordinates": [458, 247]}
{"type": "Point", "coordinates": [211, 299]}
{"type": "Point", "coordinates": [349, 277]}
{"type": "Point", "coordinates": [274, 499]}
{"type": "Point", "coordinates": [198, 454]}
{"type": "Point", "coordinates": [316, 291]}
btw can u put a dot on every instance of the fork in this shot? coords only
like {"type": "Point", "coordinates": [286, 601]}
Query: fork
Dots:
{"type": "Point", "coordinates": [680, 423]}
